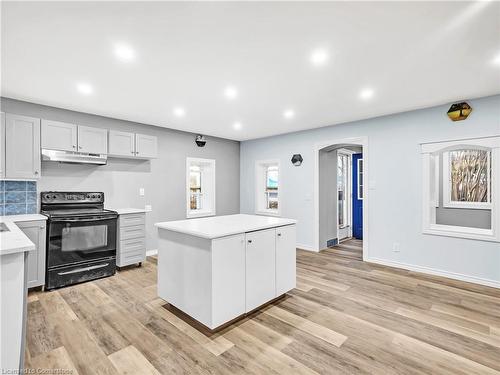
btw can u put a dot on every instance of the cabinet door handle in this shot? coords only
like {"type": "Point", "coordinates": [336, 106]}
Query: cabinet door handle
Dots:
{"type": "Point", "coordinates": [80, 147]}
{"type": "Point", "coordinates": [74, 146]}
{"type": "Point", "coordinates": [279, 234]}
{"type": "Point", "coordinates": [36, 172]}
{"type": "Point", "coordinates": [249, 241]}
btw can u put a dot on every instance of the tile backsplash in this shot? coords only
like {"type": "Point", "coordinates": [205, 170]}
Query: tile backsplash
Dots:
{"type": "Point", "coordinates": [18, 197]}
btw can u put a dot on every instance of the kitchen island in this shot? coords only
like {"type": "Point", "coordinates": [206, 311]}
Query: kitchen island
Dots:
{"type": "Point", "coordinates": [219, 268]}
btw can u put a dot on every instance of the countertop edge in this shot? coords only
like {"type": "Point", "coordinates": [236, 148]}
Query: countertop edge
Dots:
{"type": "Point", "coordinates": [223, 234]}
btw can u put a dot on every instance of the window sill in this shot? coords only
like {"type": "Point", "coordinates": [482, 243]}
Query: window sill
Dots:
{"type": "Point", "coordinates": [462, 232]}
{"type": "Point", "coordinates": [268, 213]}
{"type": "Point", "coordinates": [470, 206]}
{"type": "Point", "coordinates": [195, 214]}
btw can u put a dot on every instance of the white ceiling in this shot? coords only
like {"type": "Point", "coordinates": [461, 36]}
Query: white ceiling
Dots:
{"type": "Point", "coordinates": [412, 54]}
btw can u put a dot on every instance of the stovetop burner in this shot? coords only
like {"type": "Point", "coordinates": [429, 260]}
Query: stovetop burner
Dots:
{"type": "Point", "coordinates": [71, 204]}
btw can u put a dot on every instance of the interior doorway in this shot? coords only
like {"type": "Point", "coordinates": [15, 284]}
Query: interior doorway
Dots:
{"type": "Point", "coordinates": [340, 194]}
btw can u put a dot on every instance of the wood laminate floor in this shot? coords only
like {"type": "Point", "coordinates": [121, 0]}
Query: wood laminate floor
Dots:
{"type": "Point", "coordinates": [345, 317]}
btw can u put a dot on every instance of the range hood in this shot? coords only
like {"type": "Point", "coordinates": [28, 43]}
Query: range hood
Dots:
{"type": "Point", "coordinates": [73, 157]}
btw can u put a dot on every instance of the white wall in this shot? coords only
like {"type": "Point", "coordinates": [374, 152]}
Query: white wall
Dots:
{"type": "Point", "coordinates": [395, 192]}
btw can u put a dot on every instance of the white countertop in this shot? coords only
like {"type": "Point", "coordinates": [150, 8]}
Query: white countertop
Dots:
{"type": "Point", "coordinates": [128, 210]}
{"type": "Point", "coordinates": [221, 226]}
{"type": "Point", "coordinates": [14, 241]}
{"type": "Point", "coordinates": [21, 218]}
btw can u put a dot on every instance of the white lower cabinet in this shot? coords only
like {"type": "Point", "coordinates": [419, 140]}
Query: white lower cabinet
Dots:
{"type": "Point", "coordinates": [131, 239]}
{"type": "Point", "coordinates": [36, 232]}
{"type": "Point", "coordinates": [260, 268]}
{"type": "Point", "coordinates": [228, 263]}
{"type": "Point", "coordinates": [286, 255]}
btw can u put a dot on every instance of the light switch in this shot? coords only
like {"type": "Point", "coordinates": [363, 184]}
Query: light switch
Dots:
{"type": "Point", "coordinates": [141, 192]}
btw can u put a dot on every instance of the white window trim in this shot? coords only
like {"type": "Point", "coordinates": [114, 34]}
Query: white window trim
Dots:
{"type": "Point", "coordinates": [430, 164]}
{"type": "Point", "coordinates": [259, 166]}
{"type": "Point", "coordinates": [360, 186]}
{"type": "Point", "coordinates": [210, 211]}
{"type": "Point", "coordinates": [447, 202]}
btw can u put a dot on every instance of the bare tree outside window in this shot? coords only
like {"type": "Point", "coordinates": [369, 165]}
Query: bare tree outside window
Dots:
{"type": "Point", "coordinates": [470, 172]}
{"type": "Point", "coordinates": [195, 187]}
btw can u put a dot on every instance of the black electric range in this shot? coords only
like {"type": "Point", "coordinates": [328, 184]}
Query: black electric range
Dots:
{"type": "Point", "coordinates": [81, 237]}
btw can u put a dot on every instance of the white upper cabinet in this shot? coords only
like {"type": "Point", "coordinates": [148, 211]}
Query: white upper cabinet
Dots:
{"type": "Point", "coordinates": [22, 151]}
{"type": "Point", "coordinates": [2, 145]}
{"type": "Point", "coordinates": [92, 140]}
{"type": "Point", "coordinates": [58, 135]}
{"type": "Point", "coordinates": [146, 146]}
{"type": "Point", "coordinates": [121, 143]}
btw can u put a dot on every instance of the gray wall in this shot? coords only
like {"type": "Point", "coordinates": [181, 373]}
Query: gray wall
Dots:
{"type": "Point", "coordinates": [164, 179]}
{"type": "Point", "coordinates": [393, 177]}
{"type": "Point", "coordinates": [328, 196]}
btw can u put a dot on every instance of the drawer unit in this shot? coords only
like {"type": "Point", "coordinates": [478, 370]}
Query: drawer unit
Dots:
{"type": "Point", "coordinates": [134, 231]}
{"type": "Point", "coordinates": [131, 242]}
{"type": "Point", "coordinates": [128, 220]}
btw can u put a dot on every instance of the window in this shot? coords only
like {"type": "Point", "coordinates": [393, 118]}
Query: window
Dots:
{"type": "Point", "coordinates": [360, 178]}
{"type": "Point", "coordinates": [467, 178]}
{"type": "Point", "coordinates": [200, 187]}
{"type": "Point", "coordinates": [342, 189]}
{"type": "Point", "coordinates": [267, 188]}
{"type": "Point", "coordinates": [272, 187]}
{"type": "Point", "coordinates": [461, 188]}
{"type": "Point", "coordinates": [195, 187]}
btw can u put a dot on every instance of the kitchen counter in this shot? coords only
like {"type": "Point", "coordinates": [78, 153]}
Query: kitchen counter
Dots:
{"type": "Point", "coordinates": [222, 226]}
{"type": "Point", "coordinates": [21, 218]}
{"type": "Point", "coordinates": [128, 210]}
{"type": "Point", "coordinates": [14, 240]}
{"type": "Point", "coordinates": [219, 268]}
{"type": "Point", "coordinates": [14, 248]}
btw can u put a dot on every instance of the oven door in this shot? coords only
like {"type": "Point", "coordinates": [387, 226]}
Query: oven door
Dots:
{"type": "Point", "coordinates": [74, 240]}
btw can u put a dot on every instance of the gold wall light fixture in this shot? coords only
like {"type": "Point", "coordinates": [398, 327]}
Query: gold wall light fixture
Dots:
{"type": "Point", "coordinates": [459, 111]}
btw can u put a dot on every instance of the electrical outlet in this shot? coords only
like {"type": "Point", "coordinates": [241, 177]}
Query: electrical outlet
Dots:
{"type": "Point", "coordinates": [141, 192]}
{"type": "Point", "coordinates": [148, 208]}
{"type": "Point", "coordinates": [395, 247]}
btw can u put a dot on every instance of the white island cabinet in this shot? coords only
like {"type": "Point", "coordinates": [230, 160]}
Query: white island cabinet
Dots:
{"type": "Point", "coordinates": [216, 269]}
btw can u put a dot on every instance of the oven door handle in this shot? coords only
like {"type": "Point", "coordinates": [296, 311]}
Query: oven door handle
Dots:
{"type": "Point", "coordinates": [98, 218]}
{"type": "Point", "coordinates": [83, 269]}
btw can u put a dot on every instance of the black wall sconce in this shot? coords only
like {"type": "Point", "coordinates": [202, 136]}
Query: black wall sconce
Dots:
{"type": "Point", "coordinates": [200, 140]}
{"type": "Point", "coordinates": [297, 159]}
{"type": "Point", "coordinates": [459, 111]}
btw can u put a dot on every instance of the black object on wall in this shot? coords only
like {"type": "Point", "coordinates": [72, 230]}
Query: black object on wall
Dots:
{"type": "Point", "coordinates": [200, 140]}
{"type": "Point", "coordinates": [297, 159]}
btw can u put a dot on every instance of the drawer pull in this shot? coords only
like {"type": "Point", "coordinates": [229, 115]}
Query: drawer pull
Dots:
{"type": "Point", "coordinates": [83, 269]}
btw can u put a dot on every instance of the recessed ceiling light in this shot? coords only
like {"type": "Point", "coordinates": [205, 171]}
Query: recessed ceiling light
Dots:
{"type": "Point", "coordinates": [366, 93]}
{"type": "Point", "coordinates": [84, 88]}
{"type": "Point", "coordinates": [179, 112]}
{"type": "Point", "coordinates": [319, 57]}
{"type": "Point", "coordinates": [237, 125]}
{"type": "Point", "coordinates": [288, 114]}
{"type": "Point", "coordinates": [124, 52]}
{"type": "Point", "coordinates": [496, 60]}
{"type": "Point", "coordinates": [230, 92]}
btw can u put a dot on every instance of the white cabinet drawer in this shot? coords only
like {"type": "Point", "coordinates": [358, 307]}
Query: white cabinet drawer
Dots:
{"type": "Point", "coordinates": [130, 258]}
{"type": "Point", "coordinates": [132, 219]}
{"type": "Point", "coordinates": [137, 244]}
{"type": "Point", "coordinates": [131, 232]}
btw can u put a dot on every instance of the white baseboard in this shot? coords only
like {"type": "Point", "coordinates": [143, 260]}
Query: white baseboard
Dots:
{"type": "Point", "coordinates": [436, 272]}
{"type": "Point", "coordinates": [152, 252]}
{"type": "Point", "coordinates": [306, 247]}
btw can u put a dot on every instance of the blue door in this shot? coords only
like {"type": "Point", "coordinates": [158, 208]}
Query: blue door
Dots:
{"type": "Point", "coordinates": [357, 196]}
